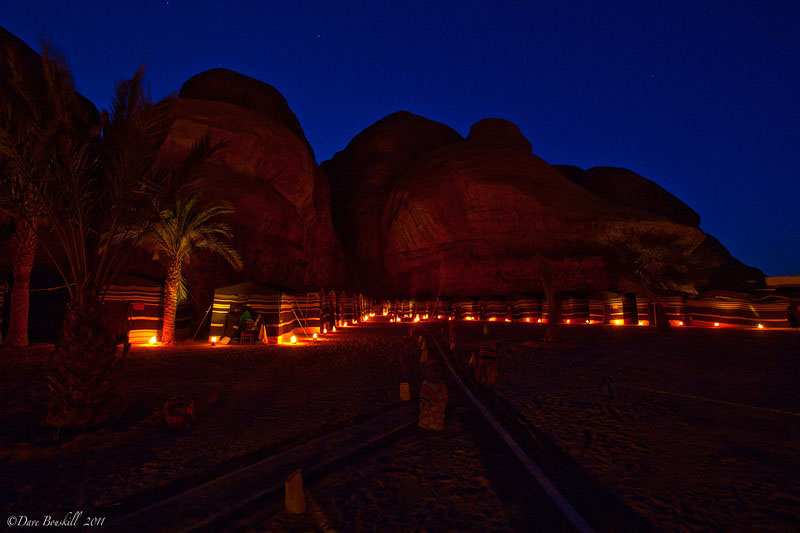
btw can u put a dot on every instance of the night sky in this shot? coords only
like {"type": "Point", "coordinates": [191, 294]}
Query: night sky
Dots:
{"type": "Point", "coordinates": [702, 100]}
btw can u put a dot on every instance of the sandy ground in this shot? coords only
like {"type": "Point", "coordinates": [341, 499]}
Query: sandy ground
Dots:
{"type": "Point", "coordinates": [267, 395]}
{"type": "Point", "coordinates": [696, 429]}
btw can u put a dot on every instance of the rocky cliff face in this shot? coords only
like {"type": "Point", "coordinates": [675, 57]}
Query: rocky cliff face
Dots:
{"type": "Point", "coordinates": [476, 216]}
{"type": "Point", "coordinates": [266, 170]}
{"type": "Point", "coordinates": [624, 187]}
{"type": "Point", "coordinates": [363, 176]}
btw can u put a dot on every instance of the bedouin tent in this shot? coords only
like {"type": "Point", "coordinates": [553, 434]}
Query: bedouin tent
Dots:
{"type": "Point", "coordinates": [135, 308]}
{"type": "Point", "coordinates": [597, 306]}
{"type": "Point", "coordinates": [674, 307]}
{"type": "Point", "coordinates": [621, 308]}
{"type": "Point", "coordinates": [347, 308]}
{"type": "Point", "coordinates": [466, 309]}
{"type": "Point", "coordinates": [575, 309]}
{"type": "Point", "coordinates": [282, 313]}
{"type": "Point", "coordinates": [329, 310]}
{"type": "Point", "coordinates": [442, 306]}
{"type": "Point", "coordinates": [494, 309]}
{"type": "Point", "coordinates": [738, 309]}
{"type": "Point", "coordinates": [643, 310]}
{"type": "Point", "coordinates": [307, 307]}
{"type": "Point", "coordinates": [527, 309]}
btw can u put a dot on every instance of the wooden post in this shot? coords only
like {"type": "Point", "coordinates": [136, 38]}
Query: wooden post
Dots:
{"type": "Point", "coordinates": [295, 501]}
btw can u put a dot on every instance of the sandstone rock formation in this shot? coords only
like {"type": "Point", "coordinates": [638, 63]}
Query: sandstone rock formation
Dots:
{"type": "Point", "coordinates": [282, 223]}
{"type": "Point", "coordinates": [363, 175]}
{"type": "Point", "coordinates": [472, 217]}
{"type": "Point", "coordinates": [624, 187]}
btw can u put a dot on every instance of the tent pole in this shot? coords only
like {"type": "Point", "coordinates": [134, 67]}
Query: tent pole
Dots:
{"type": "Point", "coordinates": [298, 318]}
{"type": "Point", "coordinates": [202, 321]}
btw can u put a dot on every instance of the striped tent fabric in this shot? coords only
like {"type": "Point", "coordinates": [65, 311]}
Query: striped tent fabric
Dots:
{"type": "Point", "coordinates": [443, 307]}
{"type": "Point", "coordinates": [621, 308]}
{"type": "Point", "coordinates": [575, 309]}
{"type": "Point", "coordinates": [739, 309]}
{"type": "Point", "coordinates": [597, 305]}
{"type": "Point", "coordinates": [135, 307]}
{"type": "Point", "coordinates": [347, 308]}
{"type": "Point", "coordinates": [466, 309]}
{"type": "Point", "coordinates": [527, 309]}
{"type": "Point", "coordinates": [307, 311]}
{"type": "Point", "coordinates": [643, 310]}
{"type": "Point", "coordinates": [674, 306]}
{"type": "Point", "coordinates": [329, 309]}
{"type": "Point", "coordinates": [494, 309]}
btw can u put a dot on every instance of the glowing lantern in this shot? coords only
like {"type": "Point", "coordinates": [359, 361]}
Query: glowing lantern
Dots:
{"type": "Point", "coordinates": [492, 319]}
{"type": "Point", "coordinates": [315, 336]}
{"type": "Point", "coordinates": [567, 321]}
{"type": "Point", "coordinates": [641, 322]}
{"type": "Point", "coordinates": [508, 320]}
{"type": "Point", "coordinates": [213, 341]}
{"type": "Point", "coordinates": [680, 323]}
{"type": "Point", "coordinates": [716, 324]}
{"type": "Point", "coordinates": [588, 321]}
{"type": "Point", "coordinates": [334, 329]}
{"type": "Point", "coordinates": [324, 330]}
{"type": "Point", "coordinates": [293, 340]}
{"type": "Point", "coordinates": [527, 319]}
{"type": "Point", "coordinates": [618, 322]}
{"type": "Point", "coordinates": [425, 317]}
{"type": "Point", "coordinates": [416, 318]}
{"type": "Point", "coordinates": [538, 320]}
{"type": "Point", "coordinates": [761, 326]}
{"type": "Point", "coordinates": [153, 339]}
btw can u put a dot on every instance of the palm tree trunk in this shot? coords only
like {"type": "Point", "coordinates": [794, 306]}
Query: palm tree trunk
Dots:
{"type": "Point", "coordinates": [170, 303]}
{"type": "Point", "coordinates": [84, 386]}
{"type": "Point", "coordinates": [24, 246]}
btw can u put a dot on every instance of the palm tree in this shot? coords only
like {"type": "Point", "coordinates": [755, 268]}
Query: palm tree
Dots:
{"type": "Point", "coordinates": [101, 178]}
{"type": "Point", "coordinates": [182, 232]}
{"type": "Point", "coordinates": [32, 114]}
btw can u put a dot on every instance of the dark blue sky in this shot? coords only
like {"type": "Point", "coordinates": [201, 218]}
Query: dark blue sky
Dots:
{"type": "Point", "coordinates": [701, 97]}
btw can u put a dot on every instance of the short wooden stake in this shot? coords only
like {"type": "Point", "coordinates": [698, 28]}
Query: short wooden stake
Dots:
{"type": "Point", "coordinates": [295, 501]}
{"type": "Point", "coordinates": [405, 393]}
